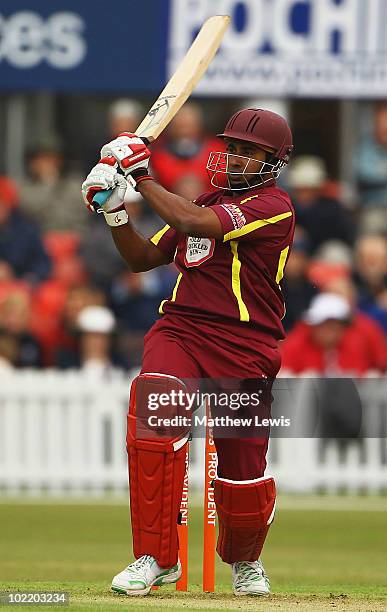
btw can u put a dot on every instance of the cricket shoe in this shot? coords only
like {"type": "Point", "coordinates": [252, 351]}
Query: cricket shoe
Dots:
{"type": "Point", "coordinates": [249, 578]}
{"type": "Point", "coordinates": [139, 577]}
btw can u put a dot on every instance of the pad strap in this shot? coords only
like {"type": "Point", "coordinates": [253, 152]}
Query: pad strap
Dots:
{"type": "Point", "coordinates": [245, 510]}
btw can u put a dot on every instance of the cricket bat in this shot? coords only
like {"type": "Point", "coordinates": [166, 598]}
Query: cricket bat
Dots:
{"type": "Point", "coordinates": [180, 86]}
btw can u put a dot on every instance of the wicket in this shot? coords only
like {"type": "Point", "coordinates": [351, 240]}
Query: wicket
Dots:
{"type": "Point", "coordinates": [209, 520]}
{"type": "Point", "coordinates": [182, 529]}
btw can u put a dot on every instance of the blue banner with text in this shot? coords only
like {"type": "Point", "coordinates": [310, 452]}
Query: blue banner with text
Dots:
{"type": "Point", "coordinates": [273, 48]}
{"type": "Point", "coordinates": [90, 45]}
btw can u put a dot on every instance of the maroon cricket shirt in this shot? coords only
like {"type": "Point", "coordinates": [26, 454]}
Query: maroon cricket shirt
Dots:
{"type": "Point", "coordinates": [234, 280]}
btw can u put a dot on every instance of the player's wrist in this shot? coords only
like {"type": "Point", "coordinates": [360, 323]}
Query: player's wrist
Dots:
{"type": "Point", "coordinates": [138, 176]}
{"type": "Point", "coordinates": [117, 217]}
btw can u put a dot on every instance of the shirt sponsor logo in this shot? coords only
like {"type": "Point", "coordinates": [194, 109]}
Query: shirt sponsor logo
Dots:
{"type": "Point", "coordinates": [198, 250]}
{"type": "Point", "coordinates": [236, 215]}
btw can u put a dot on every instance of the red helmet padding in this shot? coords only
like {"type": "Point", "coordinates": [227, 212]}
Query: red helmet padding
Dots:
{"type": "Point", "coordinates": [263, 128]}
{"type": "Point", "coordinates": [245, 513]}
{"type": "Point", "coordinates": [156, 477]}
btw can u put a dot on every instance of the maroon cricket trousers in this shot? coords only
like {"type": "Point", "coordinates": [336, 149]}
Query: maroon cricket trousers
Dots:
{"type": "Point", "coordinates": [194, 349]}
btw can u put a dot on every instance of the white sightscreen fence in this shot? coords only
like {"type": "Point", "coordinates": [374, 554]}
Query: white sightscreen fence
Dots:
{"type": "Point", "coordinates": [64, 434]}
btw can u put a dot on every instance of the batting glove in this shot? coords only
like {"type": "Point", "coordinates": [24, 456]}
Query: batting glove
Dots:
{"type": "Point", "coordinates": [105, 176]}
{"type": "Point", "coordinates": [132, 155]}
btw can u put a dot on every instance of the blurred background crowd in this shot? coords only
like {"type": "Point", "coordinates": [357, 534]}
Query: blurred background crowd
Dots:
{"type": "Point", "coordinates": [67, 300]}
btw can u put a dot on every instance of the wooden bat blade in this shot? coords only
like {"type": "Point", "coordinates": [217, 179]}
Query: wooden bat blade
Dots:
{"type": "Point", "coordinates": [180, 86]}
{"type": "Point", "coordinates": [186, 77]}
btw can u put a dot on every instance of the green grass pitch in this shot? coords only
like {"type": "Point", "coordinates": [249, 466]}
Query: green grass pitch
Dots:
{"type": "Point", "coordinates": [322, 554]}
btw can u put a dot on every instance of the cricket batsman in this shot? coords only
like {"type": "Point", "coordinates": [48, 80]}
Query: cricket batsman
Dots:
{"type": "Point", "coordinates": [222, 322]}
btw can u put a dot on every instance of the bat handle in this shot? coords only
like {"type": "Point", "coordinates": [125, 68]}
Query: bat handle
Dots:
{"type": "Point", "coordinates": [101, 196]}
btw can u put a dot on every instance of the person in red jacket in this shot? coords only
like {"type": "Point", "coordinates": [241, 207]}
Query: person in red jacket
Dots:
{"type": "Point", "coordinates": [222, 323]}
{"type": "Point", "coordinates": [184, 150]}
{"type": "Point", "coordinates": [333, 340]}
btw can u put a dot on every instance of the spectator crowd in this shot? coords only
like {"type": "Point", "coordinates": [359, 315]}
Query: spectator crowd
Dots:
{"type": "Point", "coordinates": [67, 300]}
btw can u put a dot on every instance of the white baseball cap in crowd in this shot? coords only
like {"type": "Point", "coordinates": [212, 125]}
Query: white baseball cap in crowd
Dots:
{"type": "Point", "coordinates": [126, 107]}
{"type": "Point", "coordinates": [307, 171]}
{"type": "Point", "coordinates": [97, 319]}
{"type": "Point", "coordinates": [327, 306]}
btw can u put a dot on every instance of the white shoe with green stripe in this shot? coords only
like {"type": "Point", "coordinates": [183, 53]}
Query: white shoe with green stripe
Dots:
{"type": "Point", "coordinates": [249, 578]}
{"type": "Point", "coordinates": [139, 577]}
